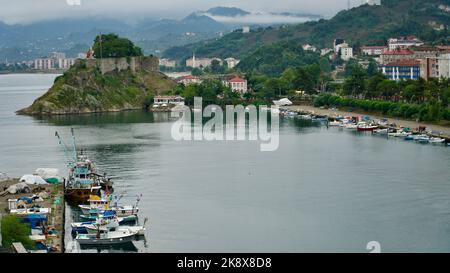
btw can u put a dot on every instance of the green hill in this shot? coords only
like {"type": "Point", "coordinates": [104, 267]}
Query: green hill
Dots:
{"type": "Point", "coordinates": [366, 24]}
{"type": "Point", "coordinates": [106, 85]}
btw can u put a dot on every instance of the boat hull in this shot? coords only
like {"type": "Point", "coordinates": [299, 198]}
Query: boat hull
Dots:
{"type": "Point", "coordinates": [79, 195]}
{"type": "Point", "coordinates": [366, 129]}
{"type": "Point", "coordinates": [91, 240]}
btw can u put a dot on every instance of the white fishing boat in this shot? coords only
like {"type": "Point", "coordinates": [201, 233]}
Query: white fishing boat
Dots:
{"type": "Point", "coordinates": [93, 229]}
{"type": "Point", "coordinates": [335, 123]}
{"type": "Point", "coordinates": [400, 134]}
{"type": "Point", "coordinates": [101, 204]}
{"type": "Point", "coordinates": [108, 238]}
{"type": "Point", "coordinates": [351, 126]}
{"type": "Point", "coordinates": [422, 139]}
{"type": "Point", "coordinates": [381, 131]}
{"type": "Point", "coordinates": [306, 117]}
{"type": "Point", "coordinates": [437, 140]}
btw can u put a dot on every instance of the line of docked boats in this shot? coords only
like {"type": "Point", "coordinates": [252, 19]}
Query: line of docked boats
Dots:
{"type": "Point", "coordinates": [103, 220]}
{"type": "Point", "coordinates": [365, 124]}
{"type": "Point", "coordinates": [107, 222]}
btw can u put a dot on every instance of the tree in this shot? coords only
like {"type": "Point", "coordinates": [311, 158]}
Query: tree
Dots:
{"type": "Point", "coordinates": [113, 46]}
{"type": "Point", "coordinates": [387, 88]}
{"type": "Point", "coordinates": [15, 231]}
{"type": "Point", "coordinates": [372, 69]}
{"type": "Point", "coordinates": [355, 84]}
{"type": "Point", "coordinates": [196, 72]}
{"type": "Point", "coordinates": [216, 68]}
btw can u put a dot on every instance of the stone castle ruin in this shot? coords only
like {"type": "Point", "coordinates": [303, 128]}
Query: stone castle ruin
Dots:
{"type": "Point", "coordinates": [107, 65]}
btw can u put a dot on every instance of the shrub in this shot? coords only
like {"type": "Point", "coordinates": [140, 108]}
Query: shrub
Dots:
{"type": "Point", "coordinates": [15, 231]}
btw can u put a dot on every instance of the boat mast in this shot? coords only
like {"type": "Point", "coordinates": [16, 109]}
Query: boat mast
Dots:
{"type": "Point", "coordinates": [74, 144]}
{"type": "Point", "coordinates": [65, 150]}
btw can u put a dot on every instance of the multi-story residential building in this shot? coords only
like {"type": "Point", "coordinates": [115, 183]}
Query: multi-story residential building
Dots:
{"type": "Point", "coordinates": [187, 80]}
{"type": "Point", "coordinates": [232, 62]}
{"type": "Point", "coordinates": [444, 66]}
{"type": "Point", "coordinates": [402, 70]}
{"type": "Point", "coordinates": [404, 42]}
{"type": "Point", "coordinates": [337, 42]}
{"type": "Point", "coordinates": [423, 52]}
{"type": "Point", "coordinates": [237, 84]}
{"type": "Point", "coordinates": [167, 63]}
{"type": "Point", "coordinates": [201, 62]}
{"type": "Point", "coordinates": [44, 64]}
{"type": "Point", "coordinates": [396, 55]}
{"type": "Point", "coordinates": [373, 50]}
{"type": "Point", "coordinates": [346, 52]}
{"type": "Point", "coordinates": [65, 63]}
{"type": "Point", "coordinates": [429, 68]}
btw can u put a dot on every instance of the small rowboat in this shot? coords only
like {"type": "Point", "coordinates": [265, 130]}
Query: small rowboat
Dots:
{"type": "Point", "coordinates": [109, 238]}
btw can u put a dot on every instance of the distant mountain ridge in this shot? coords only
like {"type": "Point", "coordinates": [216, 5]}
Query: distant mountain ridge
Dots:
{"type": "Point", "coordinates": [227, 11]}
{"type": "Point", "coordinates": [370, 25]}
{"type": "Point", "coordinates": [27, 42]}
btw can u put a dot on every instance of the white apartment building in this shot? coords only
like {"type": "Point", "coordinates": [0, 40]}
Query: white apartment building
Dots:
{"type": "Point", "coordinates": [232, 62]}
{"type": "Point", "coordinates": [167, 63]}
{"type": "Point", "coordinates": [346, 52]}
{"type": "Point", "coordinates": [444, 66]}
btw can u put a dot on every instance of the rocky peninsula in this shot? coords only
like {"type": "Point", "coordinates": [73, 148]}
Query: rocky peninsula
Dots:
{"type": "Point", "coordinates": [103, 85]}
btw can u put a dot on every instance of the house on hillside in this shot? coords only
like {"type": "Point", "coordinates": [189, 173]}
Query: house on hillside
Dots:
{"type": "Point", "coordinates": [237, 84]}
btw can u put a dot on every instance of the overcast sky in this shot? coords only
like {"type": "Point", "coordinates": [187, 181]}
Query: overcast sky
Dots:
{"type": "Point", "coordinates": [26, 11]}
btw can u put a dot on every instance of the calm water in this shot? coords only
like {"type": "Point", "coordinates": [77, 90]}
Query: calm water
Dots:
{"type": "Point", "coordinates": [322, 191]}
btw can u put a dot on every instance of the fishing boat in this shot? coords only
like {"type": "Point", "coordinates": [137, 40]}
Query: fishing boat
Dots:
{"type": "Point", "coordinates": [335, 123]}
{"type": "Point", "coordinates": [83, 180]}
{"type": "Point", "coordinates": [437, 140]}
{"type": "Point", "coordinates": [306, 117]}
{"type": "Point", "coordinates": [100, 205]}
{"type": "Point", "coordinates": [351, 126]}
{"type": "Point", "coordinates": [93, 216]}
{"type": "Point", "coordinates": [95, 228]}
{"type": "Point", "coordinates": [80, 227]}
{"type": "Point", "coordinates": [319, 119]}
{"type": "Point", "coordinates": [424, 139]}
{"type": "Point", "coordinates": [366, 127]}
{"type": "Point", "coordinates": [400, 134]}
{"type": "Point", "coordinates": [108, 238]}
{"type": "Point", "coordinates": [381, 131]}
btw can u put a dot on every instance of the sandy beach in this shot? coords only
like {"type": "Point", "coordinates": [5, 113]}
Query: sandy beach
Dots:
{"type": "Point", "coordinates": [445, 131]}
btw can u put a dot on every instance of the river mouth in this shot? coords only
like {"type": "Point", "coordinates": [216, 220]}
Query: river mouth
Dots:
{"type": "Point", "coordinates": [323, 190]}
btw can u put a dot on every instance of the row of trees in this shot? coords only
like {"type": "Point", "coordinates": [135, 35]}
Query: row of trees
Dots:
{"type": "Point", "coordinates": [360, 84]}
{"type": "Point", "coordinates": [429, 111]}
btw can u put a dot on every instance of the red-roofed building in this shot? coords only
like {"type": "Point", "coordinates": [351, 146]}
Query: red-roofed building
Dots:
{"type": "Point", "coordinates": [402, 70]}
{"type": "Point", "coordinates": [404, 42]}
{"type": "Point", "coordinates": [237, 84]}
{"type": "Point", "coordinates": [396, 55]}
